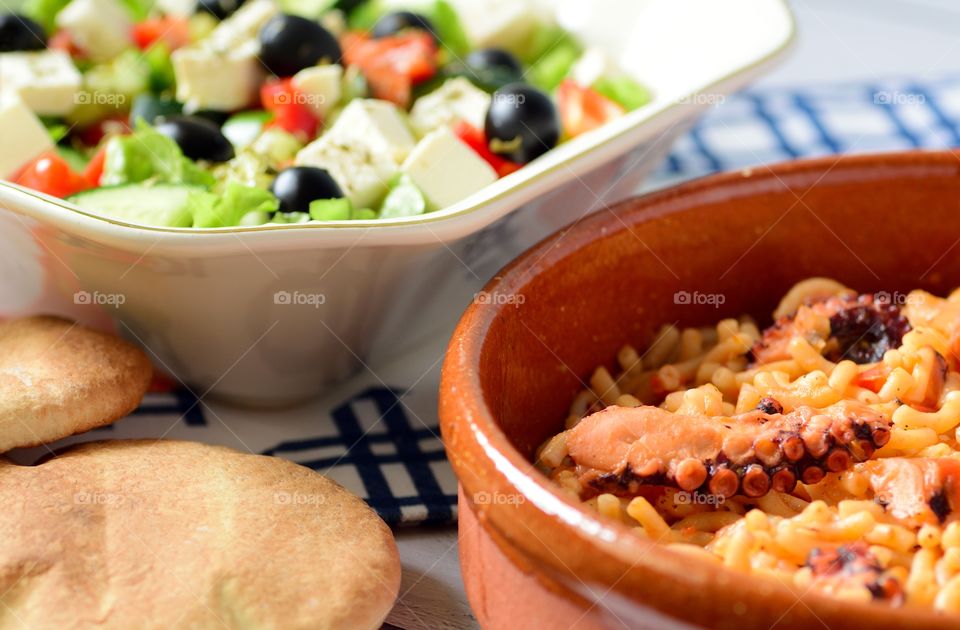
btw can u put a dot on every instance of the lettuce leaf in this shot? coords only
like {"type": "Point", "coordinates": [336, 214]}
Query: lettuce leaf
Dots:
{"type": "Point", "coordinates": [229, 208]}
{"type": "Point", "coordinates": [44, 12]}
{"type": "Point", "coordinates": [149, 155]}
{"type": "Point", "coordinates": [550, 53]}
{"type": "Point", "coordinates": [449, 29]}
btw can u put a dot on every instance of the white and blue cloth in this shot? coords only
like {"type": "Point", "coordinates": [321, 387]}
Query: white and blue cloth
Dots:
{"type": "Point", "coordinates": [383, 441]}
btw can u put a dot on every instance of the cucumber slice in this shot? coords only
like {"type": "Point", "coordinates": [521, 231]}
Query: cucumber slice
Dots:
{"type": "Point", "coordinates": [163, 205]}
{"type": "Point", "coordinates": [150, 108]}
{"type": "Point", "coordinates": [403, 200]}
{"type": "Point", "coordinates": [243, 128]}
{"type": "Point", "coordinates": [330, 209]}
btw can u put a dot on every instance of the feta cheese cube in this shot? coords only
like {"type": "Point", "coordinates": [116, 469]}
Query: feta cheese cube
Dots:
{"type": "Point", "coordinates": [498, 23]}
{"type": "Point", "coordinates": [47, 81]}
{"type": "Point", "coordinates": [179, 8]}
{"type": "Point", "coordinates": [335, 21]}
{"type": "Point", "coordinates": [377, 125]}
{"type": "Point", "coordinates": [320, 87]}
{"type": "Point", "coordinates": [455, 100]}
{"type": "Point", "coordinates": [362, 172]}
{"type": "Point", "coordinates": [24, 136]}
{"type": "Point", "coordinates": [208, 79]}
{"type": "Point", "coordinates": [593, 65]}
{"type": "Point", "coordinates": [223, 72]}
{"type": "Point", "coordinates": [100, 27]}
{"type": "Point", "coordinates": [242, 28]}
{"type": "Point", "coordinates": [447, 170]}
{"type": "Point", "coordinates": [363, 150]}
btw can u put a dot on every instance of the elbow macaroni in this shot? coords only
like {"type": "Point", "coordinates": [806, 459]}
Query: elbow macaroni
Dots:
{"type": "Point", "coordinates": [709, 371]}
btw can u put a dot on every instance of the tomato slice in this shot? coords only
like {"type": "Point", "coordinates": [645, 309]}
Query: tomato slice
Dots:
{"type": "Point", "coordinates": [94, 170]}
{"type": "Point", "coordinates": [476, 139]}
{"type": "Point", "coordinates": [61, 40]}
{"type": "Point", "coordinates": [51, 174]}
{"type": "Point", "coordinates": [289, 109]}
{"type": "Point", "coordinates": [94, 134]}
{"type": "Point", "coordinates": [872, 378]}
{"type": "Point", "coordinates": [276, 92]}
{"type": "Point", "coordinates": [171, 30]}
{"type": "Point", "coordinates": [392, 65]}
{"type": "Point", "coordinates": [296, 119]}
{"type": "Point", "coordinates": [583, 109]}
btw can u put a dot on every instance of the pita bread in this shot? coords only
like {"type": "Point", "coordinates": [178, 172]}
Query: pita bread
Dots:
{"type": "Point", "coordinates": [58, 379]}
{"type": "Point", "coordinates": [164, 534]}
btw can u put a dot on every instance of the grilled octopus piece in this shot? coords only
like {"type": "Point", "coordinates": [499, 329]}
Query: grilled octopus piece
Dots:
{"type": "Point", "coordinates": [918, 490]}
{"type": "Point", "coordinates": [620, 448]}
{"type": "Point", "coordinates": [860, 328]}
{"type": "Point", "coordinates": [853, 565]}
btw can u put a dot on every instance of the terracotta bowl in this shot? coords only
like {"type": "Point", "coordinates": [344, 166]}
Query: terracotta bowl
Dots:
{"type": "Point", "coordinates": [534, 558]}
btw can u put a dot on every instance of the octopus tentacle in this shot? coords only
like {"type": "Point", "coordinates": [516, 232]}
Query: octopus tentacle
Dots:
{"type": "Point", "coordinates": [860, 328]}
{"type": "Point", "coordinates": [852, 565]}
{"type": "Point", "coordinates": [919, 490]}
{"type": "Point", "coordinates": [619, 448]}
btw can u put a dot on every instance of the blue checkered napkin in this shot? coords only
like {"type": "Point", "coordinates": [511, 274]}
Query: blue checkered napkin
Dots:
{"type": "Point", "coordinates": [373, 443]}
{"type": "Point", "coordinates": [403, 468]}
{"type": "Point", "coordinates": [771, 125]}
{"type": "Point", "coordinates": [383, 444]}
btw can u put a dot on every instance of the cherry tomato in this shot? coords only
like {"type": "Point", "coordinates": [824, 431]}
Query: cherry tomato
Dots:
{"type": "Point", "coordinates": [171, 30]}
{"type": "Point", "coordinates": [392, 65]}
{"type": "Point", "coordinates": [583, 109]}
{"type": "Point", "coordinates": [477, 141]}
{"type": "Point", "coordinates": [51, 174]}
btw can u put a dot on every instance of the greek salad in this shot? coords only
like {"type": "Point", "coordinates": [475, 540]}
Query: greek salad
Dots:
{"type": "Point", "coordinates": [217, 113]}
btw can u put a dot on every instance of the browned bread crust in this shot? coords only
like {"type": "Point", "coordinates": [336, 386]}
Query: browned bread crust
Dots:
{"type": "Point", "coordinates": [58, 378]}
{"type": "Point", "coordinates": [164, 534]}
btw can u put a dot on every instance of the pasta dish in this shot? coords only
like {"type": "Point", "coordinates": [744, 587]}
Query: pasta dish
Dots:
{"type": "Point", "coordinates": [822, 450]}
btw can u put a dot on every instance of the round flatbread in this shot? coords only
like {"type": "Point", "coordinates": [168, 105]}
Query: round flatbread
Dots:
{"type": "Point", "coordinates": [58, 378]}
{"type": "Point", "coordinates": [164, 534]}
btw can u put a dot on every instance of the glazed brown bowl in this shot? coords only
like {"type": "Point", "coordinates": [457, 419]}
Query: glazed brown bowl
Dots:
{"type": "Point", "coordinates": [534, 558]}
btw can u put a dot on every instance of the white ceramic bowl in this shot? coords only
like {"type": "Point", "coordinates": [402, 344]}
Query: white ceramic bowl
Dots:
{"type": "Point", "coordinates": [270, 315]}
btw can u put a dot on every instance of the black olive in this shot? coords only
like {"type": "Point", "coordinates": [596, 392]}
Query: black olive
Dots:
{"type": "Point", "coordinates": [522, 123]}
{"type": "Point", "coordinates": [290, 43]}
{"type": "Point", "coordinates": [219, 9]}
{"type": "Point", "coordinates": [490, 69]}
{"type": "Point", "coordinates": [215, 116]}
{"type": "Point", "coordinates": [152, 108]}
{"type": "Point", "coordinates": [198, 138]}
{"type": "Point", "coordinates": [18, 32]}
{"type": "Point", "coordinates": [495, 59]}
{"type": "Point", "coordinates": [399, 21]}
{"type": "Point", "coordinates": [297, 186]}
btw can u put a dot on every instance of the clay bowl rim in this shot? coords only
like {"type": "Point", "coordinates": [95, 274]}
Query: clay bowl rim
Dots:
{"type": "Point", "coordinates": [484, 459]}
